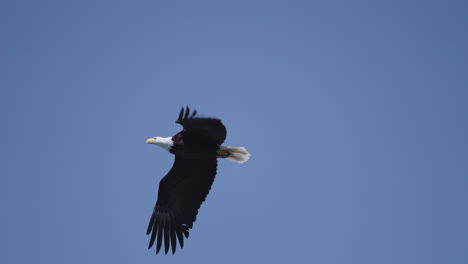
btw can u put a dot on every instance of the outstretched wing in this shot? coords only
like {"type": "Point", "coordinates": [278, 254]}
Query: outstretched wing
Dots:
{"type": "Point", "coordinates": [210, 129]}
{"type": "Point", "coordinates": [181, 192]}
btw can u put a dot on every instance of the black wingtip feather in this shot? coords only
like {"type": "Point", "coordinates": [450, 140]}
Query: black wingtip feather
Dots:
{"type": "Point", "coordinates": [159, 243]}
{"type": "Point", "coordinates": [173, 241]}
{"type": "Point", "coordinates": [173, 234]}
{"type": "Point", "coordinates": [181, 114]}
{"type": "Point", "coordinates": [166, 239]}
{"type": "Point", "coordinates": [153, 235]}
{"type": "Point", "coordinates": [187, 112]}
{"type": "Point", "coordinates": [150, 225]}
{"type": "Point", "coordinates": [181, 238]}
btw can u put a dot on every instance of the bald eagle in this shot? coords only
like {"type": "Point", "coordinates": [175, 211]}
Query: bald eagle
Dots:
{"type": "Point", "coordinates": [185, 187]}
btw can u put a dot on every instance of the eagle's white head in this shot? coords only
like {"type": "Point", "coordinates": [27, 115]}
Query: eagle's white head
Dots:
{"type": "Point", "coordinates": [164, 142]}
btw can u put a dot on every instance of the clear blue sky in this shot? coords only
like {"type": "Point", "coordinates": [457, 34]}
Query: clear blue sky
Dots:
{"type": "Point", "coordinates": [355, 113]}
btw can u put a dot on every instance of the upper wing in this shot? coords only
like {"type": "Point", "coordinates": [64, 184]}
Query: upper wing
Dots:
{"type": "Point", "coordinates": [208, 128]}
{"type": "Point", "coordinates": [181, 192]}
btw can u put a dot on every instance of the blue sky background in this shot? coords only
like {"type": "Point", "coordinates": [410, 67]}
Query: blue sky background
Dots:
{"type": "Point", "coordinates": [355, 113]}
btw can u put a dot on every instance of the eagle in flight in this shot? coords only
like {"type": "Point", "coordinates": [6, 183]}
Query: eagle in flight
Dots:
{"type": "Point", "coordinates": [184, 188]}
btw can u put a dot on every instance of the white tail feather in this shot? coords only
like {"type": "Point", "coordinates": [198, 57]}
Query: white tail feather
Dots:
{"type": "Point", "coordinates": [237, 154]}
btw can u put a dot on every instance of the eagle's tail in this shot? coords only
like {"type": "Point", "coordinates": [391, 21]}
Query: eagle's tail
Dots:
{"type": "Point", "coordinates": [236, 154]}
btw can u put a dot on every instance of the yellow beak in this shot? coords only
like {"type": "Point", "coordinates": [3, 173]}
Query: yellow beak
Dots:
{"type": "Point", "coordinates": [150, 141]}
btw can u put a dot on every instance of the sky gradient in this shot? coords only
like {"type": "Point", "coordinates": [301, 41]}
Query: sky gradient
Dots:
{"type": "Point", "coordinates": [355, 113]}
